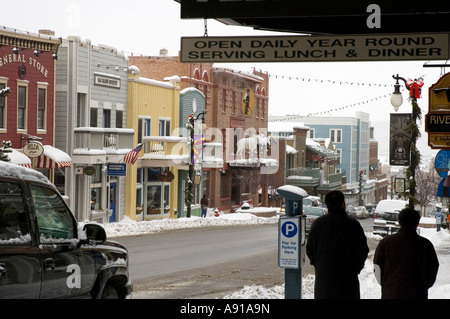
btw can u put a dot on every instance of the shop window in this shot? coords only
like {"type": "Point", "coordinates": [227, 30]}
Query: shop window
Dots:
{"type": "Point", "coordinates": [139, 188]}
{"type": "Point", "coordinates": [96, 188]}
{"type": "Point", "coordinates": [96, 198]}
{"type": "Point", "coordinates": [153, 199]}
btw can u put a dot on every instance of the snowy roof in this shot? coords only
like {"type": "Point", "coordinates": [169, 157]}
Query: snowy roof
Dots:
{"type": "Point", "coordinates": [316, 147]}
{"type": "Point", "coordinates": [290, 150]}
{"type": "Point", "coordinates": [285, 127]}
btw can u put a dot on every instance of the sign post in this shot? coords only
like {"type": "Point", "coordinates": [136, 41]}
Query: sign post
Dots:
{"type": "Point", "coordinates": [292, 240]}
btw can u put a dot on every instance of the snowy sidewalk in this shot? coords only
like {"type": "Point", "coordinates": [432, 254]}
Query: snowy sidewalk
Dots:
{"type": "Point", "coordinates": [370, 289]}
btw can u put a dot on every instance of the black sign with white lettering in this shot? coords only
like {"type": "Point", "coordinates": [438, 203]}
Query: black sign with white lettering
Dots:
{"type": "Point", "coordinates": [437, 122]}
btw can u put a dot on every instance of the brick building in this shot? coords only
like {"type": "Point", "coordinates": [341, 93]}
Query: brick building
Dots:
{"type": "Point", "coordinates": [228, 120]}
{"type": "Point", "coordinates": [27, 67]}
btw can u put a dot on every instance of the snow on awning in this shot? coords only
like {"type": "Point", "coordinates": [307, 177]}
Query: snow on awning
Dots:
{"type": "Point", "coordinates": [53, 158]}
{"type": "Point", "coordinates": [19, 158]}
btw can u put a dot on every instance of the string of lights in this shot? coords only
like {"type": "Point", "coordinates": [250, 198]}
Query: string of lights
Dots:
{"type": "Point", "coordinates": [325, 112]}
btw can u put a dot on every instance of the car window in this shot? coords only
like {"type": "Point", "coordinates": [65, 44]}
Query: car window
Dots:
{"type": "Point", "coordinates": [54, 219]}
{"type": "Point", "coordinates": [13, 217]}
{"type": "Point", "coordinates": [315, 211]}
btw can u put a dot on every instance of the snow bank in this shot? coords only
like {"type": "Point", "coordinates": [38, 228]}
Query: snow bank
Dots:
{"type": "Point", "coordinates": [128, 227]}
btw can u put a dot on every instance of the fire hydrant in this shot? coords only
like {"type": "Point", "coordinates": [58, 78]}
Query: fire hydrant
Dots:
{"type": "Point", "coordinates": [216, 212]}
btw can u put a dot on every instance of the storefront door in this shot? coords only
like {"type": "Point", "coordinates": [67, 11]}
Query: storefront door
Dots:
{"type": "Point", "coordinates": [112, 201]}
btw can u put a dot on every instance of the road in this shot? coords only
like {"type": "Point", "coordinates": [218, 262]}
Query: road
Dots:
{"type": "Point", "coordinates": [206, 262]}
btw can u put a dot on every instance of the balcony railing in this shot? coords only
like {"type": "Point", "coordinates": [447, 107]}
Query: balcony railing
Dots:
{"type": "Point", "coordinates": [113, 143]}
{"type": "Point", "coordinates": [331, 181]}
{"type": "Point", "coordinates": [304, 176]}
{"type": "Point", "coordinates": [165, 151]}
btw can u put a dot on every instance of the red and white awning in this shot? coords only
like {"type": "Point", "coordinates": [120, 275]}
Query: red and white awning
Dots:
{"type": "Point", "coordinates": [52, 158]}
{"type": "Point", "coordinates": [19, 158]}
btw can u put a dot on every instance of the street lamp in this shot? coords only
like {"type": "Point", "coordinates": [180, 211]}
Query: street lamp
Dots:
{"type": "Point", "coordinates": [414, 88]}
{"type": "Point", "coordinates": [5, 91]}
{"type": "Point", "coordinates": [188, 196]}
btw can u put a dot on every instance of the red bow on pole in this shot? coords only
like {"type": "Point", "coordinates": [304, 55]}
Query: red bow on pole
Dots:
{"type": "Point", "coordinates": [414, 87]}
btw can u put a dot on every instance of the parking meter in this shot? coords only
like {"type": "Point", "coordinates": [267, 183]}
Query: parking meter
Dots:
{"type": "Point", "coordinates": [292, 239]}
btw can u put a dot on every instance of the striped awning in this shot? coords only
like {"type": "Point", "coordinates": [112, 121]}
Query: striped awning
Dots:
{"type": "Point", "coordinates": [19, 158]}
{"type": "Point", "coordinates": [52, 158]}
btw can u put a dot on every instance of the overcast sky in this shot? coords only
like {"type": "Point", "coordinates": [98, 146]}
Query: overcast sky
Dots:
{"type": "Point", "coordinates": [146, 26]}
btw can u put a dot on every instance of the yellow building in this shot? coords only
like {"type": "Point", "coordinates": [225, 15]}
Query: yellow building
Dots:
{"type": "Point", "coordinates": [153, 113]}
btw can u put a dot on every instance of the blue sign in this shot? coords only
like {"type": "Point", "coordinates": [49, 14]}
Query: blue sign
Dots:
{"type": "Point", "coordinates": [289, 243]}
{"type": "Point", "coordinates": [441, 163]}
{"type": "Point", "coordinates": [289, 229]}
{"type": "Point", "coordinates": [117, 169]}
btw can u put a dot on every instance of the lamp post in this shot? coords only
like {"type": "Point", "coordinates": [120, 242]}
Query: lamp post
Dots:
{"type": "Point", "coordinates": [188, 196]}
{"type": "Point", "coordinates": [414, 88]}
{"type": "Point", "coordinates": [5, 91]}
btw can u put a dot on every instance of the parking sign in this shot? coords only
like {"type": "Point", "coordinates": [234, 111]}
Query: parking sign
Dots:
{"type": "Point", "coordinates": [289, 242]}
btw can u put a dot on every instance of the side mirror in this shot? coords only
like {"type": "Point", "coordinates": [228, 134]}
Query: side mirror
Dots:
{"type": "Point", "coordinates": [95, 234]}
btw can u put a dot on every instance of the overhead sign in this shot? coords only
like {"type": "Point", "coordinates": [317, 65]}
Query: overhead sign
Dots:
{"type": "Point", "coordinates": [386, 47]}
{"type": "Point", "coordinates": [437, 120]}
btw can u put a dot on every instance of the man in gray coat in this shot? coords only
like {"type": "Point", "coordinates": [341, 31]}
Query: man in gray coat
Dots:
{"type": "Point", "coordinates": [405, 263]}
{"type": "Point", "coordinates": [337, 248]}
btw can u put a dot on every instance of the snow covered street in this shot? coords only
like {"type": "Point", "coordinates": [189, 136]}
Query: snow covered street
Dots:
{"type": "Point", "coordinates": [370, 289]}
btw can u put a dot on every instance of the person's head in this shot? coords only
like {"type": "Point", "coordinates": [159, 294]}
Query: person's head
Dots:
{"type": "Point", "coordinates": [335, 200]}
{"type": "Point", "coordinates": [408, 218]}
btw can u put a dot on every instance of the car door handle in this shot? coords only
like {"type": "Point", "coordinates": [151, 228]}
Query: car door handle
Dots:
{"type": "Point", "coordinates": [49, 264]}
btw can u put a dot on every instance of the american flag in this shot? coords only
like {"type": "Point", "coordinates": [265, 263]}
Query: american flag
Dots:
{"type": "Point", "coordinates": [131, 156]}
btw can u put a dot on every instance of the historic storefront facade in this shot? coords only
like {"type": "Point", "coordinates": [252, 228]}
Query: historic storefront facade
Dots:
{"type": "Point", "coordinates": [27, 112]}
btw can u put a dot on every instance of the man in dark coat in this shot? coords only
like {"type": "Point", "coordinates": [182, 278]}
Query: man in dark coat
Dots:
{"type": "Point", "coordinates": [337, 248]}
{"type": "Point", "coordinates": [405, 263]}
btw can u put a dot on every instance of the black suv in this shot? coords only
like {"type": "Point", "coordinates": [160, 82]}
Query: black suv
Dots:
{"type": "Point", "coordinates": [45, 252]}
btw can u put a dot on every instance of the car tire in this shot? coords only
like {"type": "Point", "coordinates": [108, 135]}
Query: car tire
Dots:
{"type": "Point", "coordinates": [110, 292]}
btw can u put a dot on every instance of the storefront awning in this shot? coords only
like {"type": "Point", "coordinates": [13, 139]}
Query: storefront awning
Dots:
{"type": "Point", "coordinates": [52, 158]}
{"type": "Point", "coordinates": [19, 158]}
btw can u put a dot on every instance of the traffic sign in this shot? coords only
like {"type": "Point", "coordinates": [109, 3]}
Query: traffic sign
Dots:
{"type": "Point", "coordinates": [441, 163]}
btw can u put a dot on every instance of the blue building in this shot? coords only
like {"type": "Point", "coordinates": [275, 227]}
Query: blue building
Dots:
{"type": "Point", "coordinates": [350, 136]}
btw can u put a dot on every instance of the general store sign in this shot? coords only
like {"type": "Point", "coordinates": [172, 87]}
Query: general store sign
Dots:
{"type": "Point", "coordinates": [386, 47]}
